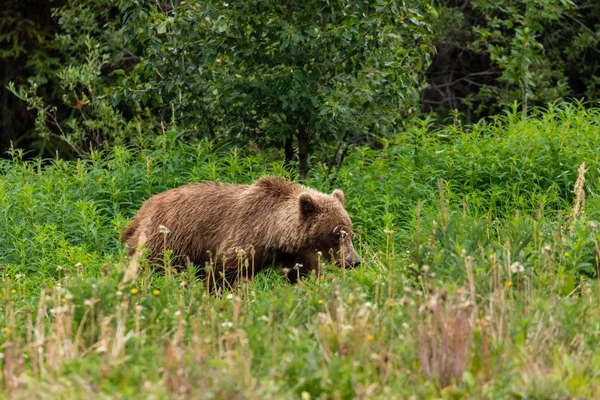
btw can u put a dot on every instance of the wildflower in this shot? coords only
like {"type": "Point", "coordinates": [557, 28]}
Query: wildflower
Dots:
{"type": "Point", "coordinates": [138, 308]}
{"type": "Point", "coordinates": [425, 268]}
{"type": "Point", "coordinates": [6, 330]}
{"type": "Point", "coordinates": [547, 249]}
{"type": "Point", "coordinates": [59, 268]}
{"type": "Point", "coordinates": [134, 291]}
{"type": "Point", "coordinates": [69, 296]}
{"type": "Point", "coordinates": [368, 304]}
{"type": "Point", "coordinates": [405, 325]}
{"type": "Point", "coordinates": [388, 231]}
{"type": "Point", "coordinates": [119, 293]}
{"type": "Point", "coordinates": [177, 313]}
{"type": "Point", "coordinates": [370, 337]}
{"type": "Point", "coordinates": [567, 254]}
{"type": "Point", "coordinates": [88, 303]}
{"type": "Point", "coordinates": [320, 301]}
{"type": "Point", "coordinates": [350, 301]}
{"type": "Point", "coordinates": [63, 300]}
{"type": "Point", "coordinates": [508, 284]}
{"type": "Point", "coordinates": [163, 229]}
{"type": "Point", "coordinates": [156, 292]}
{"type": "Point", "coordinates": [319, 254]}
{"type": "Point", "coordinates": [230, 296]}
{"type": "Point", "coordinates": [392, 303]}
{"type": "Point", "coordinates": [79, 265]}
{"type": "Point", "coordinates": [227, 324]}
{"type": "Point", "coordinates": [264, 318]}
{"type": "Point", "coordinates": [305, 396]}
{"type": "Point", "coordinates": [517, 267]}
{"type": "Point", "coordinates": [13, 291]}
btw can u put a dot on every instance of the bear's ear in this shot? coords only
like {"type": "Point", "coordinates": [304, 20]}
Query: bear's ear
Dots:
{"type": "Point", "coordinates": [307, 204]}
{"type": "Point", "coordinates": [338, 194]}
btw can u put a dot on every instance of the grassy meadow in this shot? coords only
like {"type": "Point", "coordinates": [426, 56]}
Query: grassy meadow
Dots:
{"type": "Point", "coordinates": [479, 275]}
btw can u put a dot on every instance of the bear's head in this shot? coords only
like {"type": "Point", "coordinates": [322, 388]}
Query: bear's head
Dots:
{"type": "Point", "coordinates": [329, 226]}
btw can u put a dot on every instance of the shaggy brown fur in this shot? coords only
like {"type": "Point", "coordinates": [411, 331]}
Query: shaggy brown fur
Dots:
{"type": "Point", "coordinates": [271, 221]}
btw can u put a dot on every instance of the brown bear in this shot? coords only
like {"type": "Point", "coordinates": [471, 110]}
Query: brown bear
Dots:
{"type": "Point", "coordinates": [240, 229]}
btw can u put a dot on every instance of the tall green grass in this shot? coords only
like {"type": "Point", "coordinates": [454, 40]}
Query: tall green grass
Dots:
{"type": "Point", "coordinates": [478, 279]}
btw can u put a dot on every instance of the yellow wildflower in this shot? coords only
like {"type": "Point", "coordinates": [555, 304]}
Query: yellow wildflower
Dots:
{"type": "Point", "coordinates": [320, 301]}
{"type": "Point", "coordinates": [508, 284]}
{"type": "Point", "coordinates": [370, 337]}
{"type": "Point", "coordinates": [156, 292]}
{"type": "Point", "coordinates": [134, 291]}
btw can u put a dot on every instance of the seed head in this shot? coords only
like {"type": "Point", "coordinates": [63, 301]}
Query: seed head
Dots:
{"type": "Point", "coordinates": [517, 268]}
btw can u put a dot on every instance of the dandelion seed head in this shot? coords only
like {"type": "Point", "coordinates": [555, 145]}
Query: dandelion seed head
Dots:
{"type": "Point", "coordinates": [517, 267]}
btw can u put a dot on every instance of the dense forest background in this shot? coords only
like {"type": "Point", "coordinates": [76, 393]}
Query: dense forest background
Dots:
{"type": "Point", "coordinates": [299, 79]}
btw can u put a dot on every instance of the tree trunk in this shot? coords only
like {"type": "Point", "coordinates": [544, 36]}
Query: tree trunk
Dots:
{"type": "Point", "coordinates": [303, 144]}
{"type": "Point", "coordinates": [288, 147]}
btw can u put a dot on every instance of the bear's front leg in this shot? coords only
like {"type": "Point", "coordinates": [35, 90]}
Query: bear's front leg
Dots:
{"type": "Point", "coordinates": [299, 265]}
{"type": "Point", "coordinates": [237, 264]}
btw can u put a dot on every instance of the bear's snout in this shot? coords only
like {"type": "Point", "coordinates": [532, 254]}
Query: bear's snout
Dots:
{"type": "Point", "coordinates": [354, 261]}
